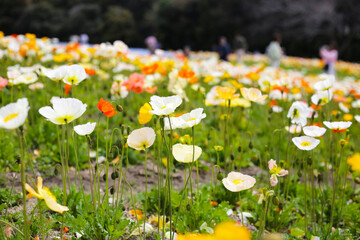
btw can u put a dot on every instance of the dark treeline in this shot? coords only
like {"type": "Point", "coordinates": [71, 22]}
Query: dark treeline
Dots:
{"type": "Point", "coordinates": [305, 25]}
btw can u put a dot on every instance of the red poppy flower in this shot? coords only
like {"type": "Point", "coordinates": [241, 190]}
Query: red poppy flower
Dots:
{"type": "Point", "coordinates": [106, 108]}
{"type": "Point", "coordinates": [67, 88]}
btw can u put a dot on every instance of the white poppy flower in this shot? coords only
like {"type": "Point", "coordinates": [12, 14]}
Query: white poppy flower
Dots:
{"type": "Point", "coordinates": [64, 110]}
{"type": "Point", "coordinates": [184, 153]}
{"type": "Point", "coordinates": [356, 104]}
{"type": "Point", "coordinates": [277, 109]}
{"type": "Point", "coordinates": [338, 126]}
{"type": "Point", "coordinates": [56, 74]}
{"type": "Point", "coordinates": [186, 120]}
{"type": "Point", "coordinates": [321, 97]}
{"type": "Point", "coordinates": [212, 97]}
{"type": "Point", "coordinates": [141, 138]}
{"type": "Point", "coordinates": [74, 74]}
{"type": "Point", "coordinates": [325, 84]}
{"type": "Point", "coordinates": [293, 129]}
{"type": "Point", "coordinates": [298, 113]}
{"type": "Point", "coordinates": [343, 108]}
{"type": "Point", "coordinates": [314, 131]}
{"type": "Point", "coordinates": [236, 182]}
{"type": "Point", "coordinates": [357, 118]}
{"type": "Point", "coordinates": [305, 142]}
{"type": "Point", "coordinates": [85, 129]}
{"type": "Point", "coordinates": [164, 105]}
{"type": "Point", "coordinates": [253, 94]}
{"type": "Point", "coordinates": [14, 115]}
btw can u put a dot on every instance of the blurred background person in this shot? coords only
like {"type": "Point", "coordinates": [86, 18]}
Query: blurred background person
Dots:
{"type": "Point", "coordinates": [239, 46]}
{"type": "Point", "coordinates": [84, 38]}
{"type": "Point", "coordinates": [274, 51]}
{"type": "Point", "coordinates": [152, 44]}
{"type": "Point", "coordinates": [329, 55]}
{"type": "Point", "coordinates": [224, 48]}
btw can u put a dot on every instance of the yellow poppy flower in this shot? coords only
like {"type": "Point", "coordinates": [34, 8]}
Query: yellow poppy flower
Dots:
{"type": "Point", "coordinates": [144, 113]}
{"type": "Point", "coordinates": [227, 93]}
{"type": "Point", "coordinates": [44, 193]}
{"type": "Point", "coordinates": [354, 162]}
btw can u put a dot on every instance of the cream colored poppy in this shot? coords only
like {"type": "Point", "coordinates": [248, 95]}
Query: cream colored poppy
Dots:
{"type": "Point", "coordinates": [253, 94]}
{"type": "Point", "coordinates": [141, 138]}
{"type": "Point", "coordinates": [236, 182]}
{"type": "Point", "coordinates": [184, 153]}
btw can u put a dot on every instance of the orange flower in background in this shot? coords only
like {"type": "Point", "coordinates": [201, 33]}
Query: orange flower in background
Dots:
{"type": "Point", "coordinates": [186, 73]}
{"type": "Point", "coordinates": [135, 83]}
{"type": "Point", "coordinates": [149, 69]}
{"type": "Point", "coordinates": [252, 76]}
{"type": "Point", "coordinates": [227, 93]}
{"type": "Point", "coordinates": [316, 107]}
{"type": "Point", "coordinates": [106, 108]}
{"type": "Point", "coordinates": [65, 229]}
{"type": "Point", "coordinates": [144, 113]}
{"type": "Point", "coordinates": [193, 80]}
{"type": "Point", "coordinates": [273, 103]}
{"type": "Point", "coordinates": [90, 72]}
{"type": "Point", "coordinates": [67, 88]}
{"type": "Point", "coordinates": [150, 89]}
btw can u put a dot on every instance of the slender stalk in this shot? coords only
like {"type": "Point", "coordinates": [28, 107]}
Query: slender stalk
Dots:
{"type": "Point", "coordinates": [107, 166]}
{"type": "Point", "coordinates": [22, 159]}
{"type": "Point", "coordinates": [146, 193]}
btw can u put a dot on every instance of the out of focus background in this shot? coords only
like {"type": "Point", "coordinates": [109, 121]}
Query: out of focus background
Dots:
{"type": "Point", "coordinates": [305, 25]}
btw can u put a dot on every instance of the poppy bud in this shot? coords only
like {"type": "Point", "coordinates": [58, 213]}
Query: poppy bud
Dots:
{"type": "Point", "coordinates": [299, 173]}
{"type": "Point", "coordinates": [309, 161]}
{"type": "Point", "coordinates": [232, 157]}
{"type": "Point", "coordinates": [56, 171]}
{"type": "Point", "coordinates": [239, 149]}
{"type": "Point", "coordinates": [280, 206]}
{"type": "Point", "coordinates": [254, 157]}
{"type": "Point", "coordinates": [357, 180]}
{"type": "Point", "coordinates": [270, 111]}
{"type": "Point", "coordinates": [104, 177]}
{"type": "Point", "coordinates": [119, 108]}
{"type": "Point", "coordinates": [220, 176]}
{"type": "Point", "coordinates": [188, 207]}
{"type": "Point", "coordinates": [275, 200]}
{"type": "Point", "coordinates": [112, 190]}
{"type": "Point", "coordinates": [114, 175]}
{"type": "Point", "coordinates": [251, 145]}
{"type": "Point", "coordinates": [162, 123]}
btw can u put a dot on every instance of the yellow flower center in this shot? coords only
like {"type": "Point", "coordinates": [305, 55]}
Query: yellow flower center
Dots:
{"type": "Point", "coordinates": [296, 113]}
{"type": "Point", "coordinates": [191, 119]}
{"type": "Point", "coordinates": [253, 95]}
{"type": "Point", "coordinates": [65, 119]}
{"type": "Point", "coordinates": [305, 144]}
{"type": "Point", "coordinates": [163, 107]}
{"type": "Point", "coordinates": [238, 181]}
{"type": "Point", "coordinates": [10, 116]}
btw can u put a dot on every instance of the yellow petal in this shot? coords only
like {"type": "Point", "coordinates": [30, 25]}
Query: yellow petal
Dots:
{"type": "Point", "coordinates": [51, 202]}
{"type": "Point", "coordinates": [32, 192]}
{"type": "Point", "coordinates": [39, 183]}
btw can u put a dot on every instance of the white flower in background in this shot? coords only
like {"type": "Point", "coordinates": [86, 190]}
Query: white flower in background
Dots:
{"type": "Point", "coordinates": [298, 113]}
{"type": "Point", "coordinates": [140, 230]}
{"type": "Point", "coordinates": [356, 104]}
{"type": "Point", "coordinates": [277, 109]}
{"type": "Point", "coordinates": [253, 94]}
{"type": "Point", "coordinates": [120, 46]}
{"type": "Point", "coordinates": [141, 138]}
{"type": "Point", "coordinates": [25, 78]}
{"type": "Point", "coordinates": [14, 115]}
{"type": "Point", "coordinates": [245, 216]}
{"type": "Point", "coordinates": [343, 108]}
{"type": "Point", "coordinates": [186, 120]}
{"type": "Point", "coordinates": [56, 74]}
{"type": "Point", "coordinates": [357, 118]}
{"type": "Point", "coordinates": [85, 129]}
{"type": "Point", "coordinates": [164, 105]}
{"type": "Point", "coordinates": [177, 84]}
{"type": "Point", "coordinates": [36, 86]}
{"type": "Point", "coordinates": [338, 126]}
{"type": "Point", "coordinates": [212, 97]}
{"type": "Point", "coordinates": [293, 129]}
{"type": "Point", "coordinates": [325, 84]}
{"type": "Point", "coordinates": [236, 182]}
{"type": "Point", "coordinates": [167, 235]}
{"type": "Point", "coordinates": [305, 142]}
{"type": "Point", "coordinates": [314, 131]}
{"type": "Point", "coordinates": [321, 97]}
{"type": "Point", "coordinates": [64, 110]}
{"type": "Point", "coordinates": [184, 153]}
{"type": "Point", "coordinates": [265, 83]}
{"type": "Point", "coordinates": [276, 94]}
{"type": "Point", "coordinates": [74, 74]}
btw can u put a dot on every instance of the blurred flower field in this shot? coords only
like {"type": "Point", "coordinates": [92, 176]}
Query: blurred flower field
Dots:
{"type": "Point", "coordinates": [223, 150]}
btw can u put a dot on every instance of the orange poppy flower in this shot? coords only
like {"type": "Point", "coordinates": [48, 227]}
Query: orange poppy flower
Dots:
{"type": "Point", "coordinates": [67, 88]}
{"type": "Point", "coordinates": [186, 73]}
{"type": "Point", "coordinates": [149, 69]}
{"type": "Point", "coordinates": [90, 72]}
{"type": "Point", "coordinates": [193, 80]}
{"type": "Point", "coordinates": [106, 108]}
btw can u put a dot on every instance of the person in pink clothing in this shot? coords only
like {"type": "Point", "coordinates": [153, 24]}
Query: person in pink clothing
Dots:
{"type": "Point", "coordinates": [329, 55]}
